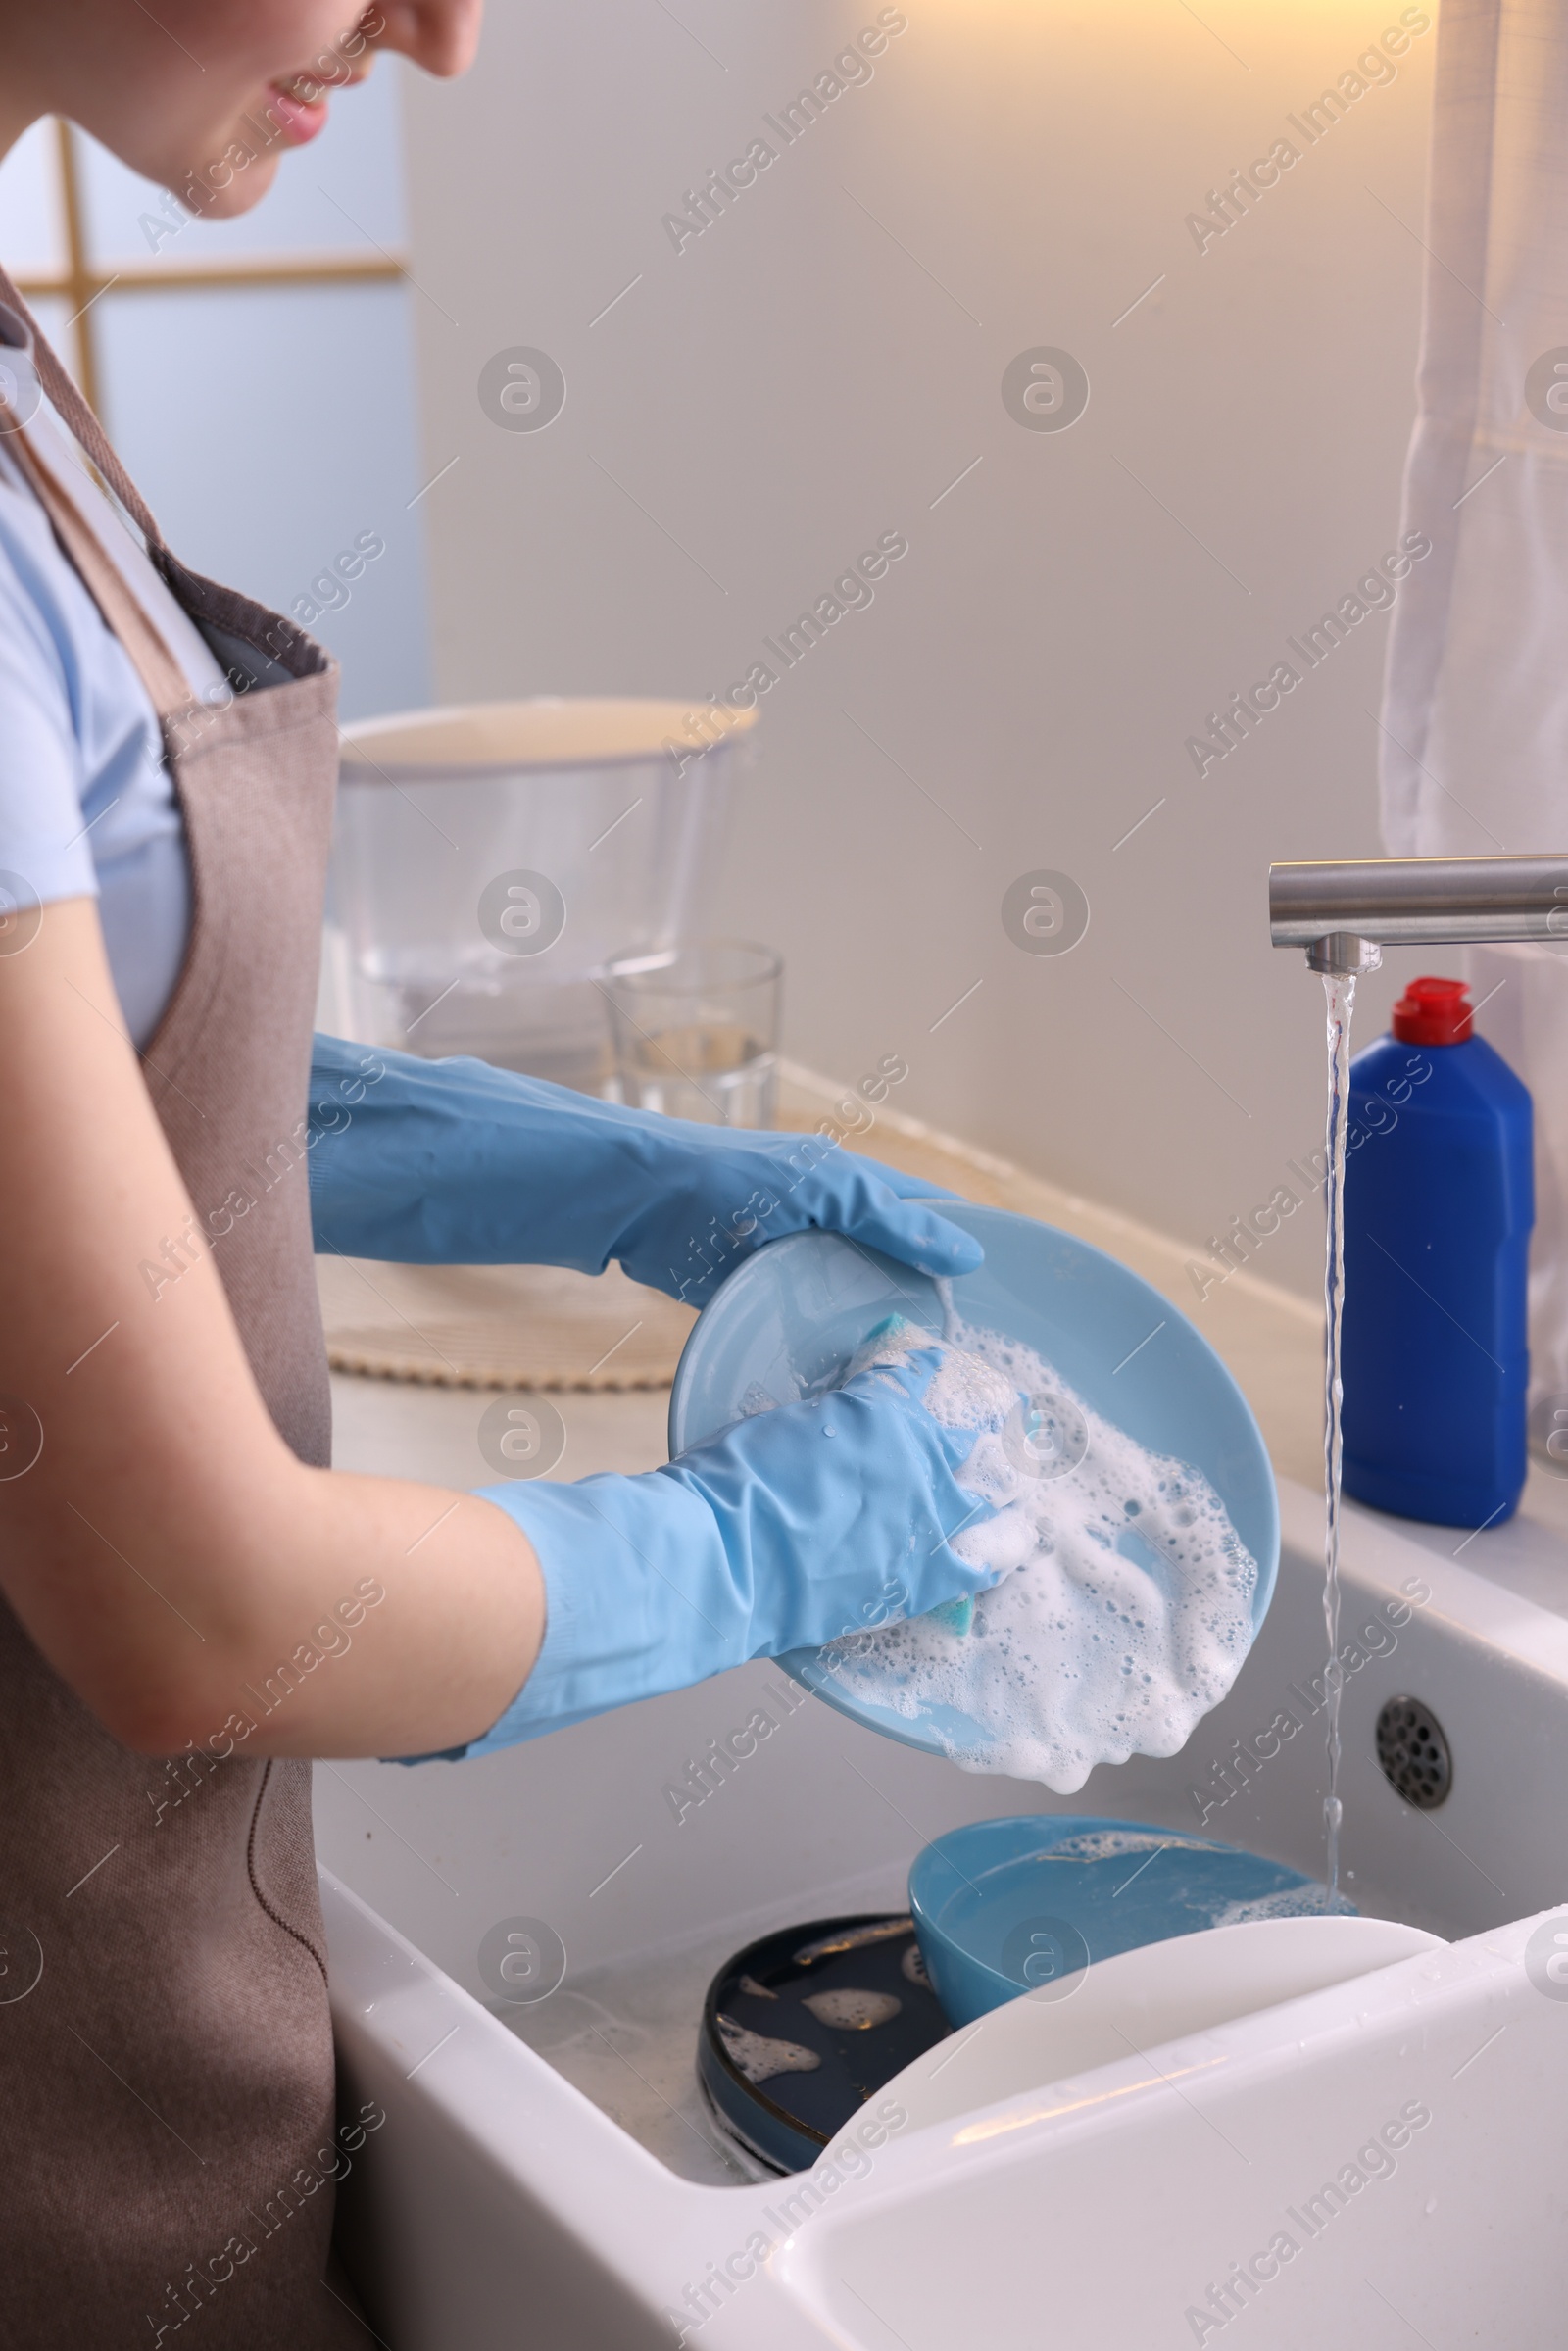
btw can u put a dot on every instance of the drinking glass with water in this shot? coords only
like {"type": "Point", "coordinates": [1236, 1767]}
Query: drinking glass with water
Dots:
{"type": "Point", "coordinates": [695, 1030]}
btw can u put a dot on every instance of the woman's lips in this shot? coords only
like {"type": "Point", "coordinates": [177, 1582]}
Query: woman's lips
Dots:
{"type": "Point", "coordinates": [301, 118]}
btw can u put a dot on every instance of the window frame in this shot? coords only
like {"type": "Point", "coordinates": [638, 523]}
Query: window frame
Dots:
{"type": "Point", "coordinates": [82, 282]}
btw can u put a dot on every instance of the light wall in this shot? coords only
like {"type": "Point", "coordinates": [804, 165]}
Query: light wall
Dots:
{"type": "Point", "coordinates": [815, 370]}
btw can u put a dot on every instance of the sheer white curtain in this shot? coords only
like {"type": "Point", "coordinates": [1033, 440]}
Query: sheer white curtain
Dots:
{"type": "Point", "coordinates": [1474, 747]}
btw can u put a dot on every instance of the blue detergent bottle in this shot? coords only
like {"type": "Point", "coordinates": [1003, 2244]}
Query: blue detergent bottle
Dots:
{"type": "Point", "coordinates": [1439, 1203]}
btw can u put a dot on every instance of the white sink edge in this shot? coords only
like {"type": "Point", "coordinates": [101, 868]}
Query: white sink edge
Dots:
{"type": "Point", "coordinates": [1376, 1553]}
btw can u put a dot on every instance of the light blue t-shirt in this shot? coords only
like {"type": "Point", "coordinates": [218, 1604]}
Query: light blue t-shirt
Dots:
{"type": "Point", "coordinates": [87, 805]}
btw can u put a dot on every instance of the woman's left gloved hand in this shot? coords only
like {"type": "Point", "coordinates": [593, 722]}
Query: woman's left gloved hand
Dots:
{"type": "Point", "coordinates": [456, 1163]}
{"type": "Point", "coordinates": [786, 1531]}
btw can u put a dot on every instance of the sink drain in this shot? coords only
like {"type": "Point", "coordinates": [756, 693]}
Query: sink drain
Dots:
{"type": "Point", "coordinates": [1414, 1753]}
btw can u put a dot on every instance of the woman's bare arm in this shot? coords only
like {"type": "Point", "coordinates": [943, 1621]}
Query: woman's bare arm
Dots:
{"type": "Point", "coordinates": [167, 1552]}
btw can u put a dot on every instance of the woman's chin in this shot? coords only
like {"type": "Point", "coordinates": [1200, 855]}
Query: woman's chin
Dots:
{"type": "Point", "coordinates": [245, 189]}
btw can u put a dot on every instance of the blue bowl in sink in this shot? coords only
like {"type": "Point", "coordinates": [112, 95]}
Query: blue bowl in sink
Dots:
{"type": "Point", "coordinates": [1005, 1907]}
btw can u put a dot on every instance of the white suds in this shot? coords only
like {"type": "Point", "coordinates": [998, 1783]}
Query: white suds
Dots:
{"type": "Point", "coordinates": [1111, 1844]}
{"type": "Point", "coordinates": [1124, 1608]}
{"type": "Point", "coordinates": [850, 2011]}
{"type": "Point", "coordinates": [1294, 1902]}
{"type": "Point", "coordinates": [759, 2058]}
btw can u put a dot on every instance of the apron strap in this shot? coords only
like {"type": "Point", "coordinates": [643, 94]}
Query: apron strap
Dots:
{"type": "Point", "coordinates": [75, 413]}
{"type": "Point", "coordinates": [167, 687]}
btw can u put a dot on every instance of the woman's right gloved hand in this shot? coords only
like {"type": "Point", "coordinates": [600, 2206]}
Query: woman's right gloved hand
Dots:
{"type": "Point", "coordinates": [790, 1528]}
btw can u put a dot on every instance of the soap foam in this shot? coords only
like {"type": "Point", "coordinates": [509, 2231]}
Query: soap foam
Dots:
{"type": "Point", "coordinates": [759, 2058]}
{"type": "Point", "coordinates": [1124, 1608]}
{"type": "Point", "coordinates": [851, 2011]}
{"type": "Point", "coordinates": [1294, 1902]}
{"type": "Point", "coordinates": [1114, 1845]}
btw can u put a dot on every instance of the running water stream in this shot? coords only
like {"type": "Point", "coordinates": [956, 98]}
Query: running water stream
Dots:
{"type": "Point", "coordinates": [1340, 993]}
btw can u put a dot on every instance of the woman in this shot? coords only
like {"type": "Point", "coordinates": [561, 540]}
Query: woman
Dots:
{"type": "Point", "coordinates": [178, 1564]}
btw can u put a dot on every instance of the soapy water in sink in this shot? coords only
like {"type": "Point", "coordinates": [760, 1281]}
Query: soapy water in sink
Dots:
{"type": "Point", "coordinates": [1115, 1845]}
{"type": "Point", "coordinates": [1296, 1902]}
{"type": "Point", "coordinates": [1111, 1844]}
{"type": "Point", "coordinates": [1124, 1608]}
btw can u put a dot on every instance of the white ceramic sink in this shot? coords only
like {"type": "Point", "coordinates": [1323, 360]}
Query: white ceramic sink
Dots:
{"type": "Point", "coordinates": [558, 2184]}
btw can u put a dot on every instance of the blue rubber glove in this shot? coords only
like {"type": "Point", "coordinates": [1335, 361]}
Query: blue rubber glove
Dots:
{"type": "Point", "coordinates": [785, 1531]}
{"type": "Point", "coordinates": [458, 1163]}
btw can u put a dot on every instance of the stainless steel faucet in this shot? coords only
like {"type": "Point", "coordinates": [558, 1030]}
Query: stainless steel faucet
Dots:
{"type": "Point", "coordinates": [1346, 914]}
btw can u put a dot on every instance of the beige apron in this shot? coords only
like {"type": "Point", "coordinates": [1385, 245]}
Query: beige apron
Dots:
{"type": "Point", "coordinates": [167, 2122]}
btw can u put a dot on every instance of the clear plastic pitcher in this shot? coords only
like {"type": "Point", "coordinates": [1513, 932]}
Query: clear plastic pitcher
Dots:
{"type": "Point", "coordinates": [491, 859]}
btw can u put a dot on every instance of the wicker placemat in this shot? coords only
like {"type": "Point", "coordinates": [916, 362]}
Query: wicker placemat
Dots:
{"type": "Point", "coordinates": [538, 1325]}
{"type": "Point", "coordinates": [499, 1326]}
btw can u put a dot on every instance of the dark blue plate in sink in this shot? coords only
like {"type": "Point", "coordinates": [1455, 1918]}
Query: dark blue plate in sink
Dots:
{"type": "Point", "coordinates": [801, 2029]}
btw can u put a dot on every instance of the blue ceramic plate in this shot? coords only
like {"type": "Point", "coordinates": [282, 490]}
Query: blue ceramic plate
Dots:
{"type": "Point", "coordinates": [787, 1321]}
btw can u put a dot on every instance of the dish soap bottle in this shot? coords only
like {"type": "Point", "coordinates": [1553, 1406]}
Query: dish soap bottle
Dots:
{"type": "Point", "coordinates": [1439, 1203]}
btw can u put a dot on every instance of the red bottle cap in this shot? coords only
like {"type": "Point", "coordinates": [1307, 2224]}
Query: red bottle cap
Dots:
{"type": "Point", "coordinates": [1434, 1013]}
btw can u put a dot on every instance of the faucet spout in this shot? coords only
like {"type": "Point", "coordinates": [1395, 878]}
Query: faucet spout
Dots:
{"type": "Point", "coordinates": [1344, 955]}
{"type": "Point", "coordinates": [1345, 914]}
